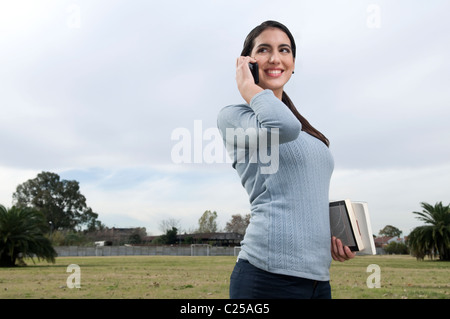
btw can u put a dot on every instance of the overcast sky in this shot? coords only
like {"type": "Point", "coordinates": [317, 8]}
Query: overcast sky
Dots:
{"type": "Point", "coordinates": [93, 90]}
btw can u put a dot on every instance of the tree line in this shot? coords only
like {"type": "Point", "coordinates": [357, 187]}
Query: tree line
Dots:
{"type": "Point", "coordinates": [49, 210]}
{"type": "Point", "coordinates": [47, 206]}
{"type": "Point", "coordinates": [207, 223]}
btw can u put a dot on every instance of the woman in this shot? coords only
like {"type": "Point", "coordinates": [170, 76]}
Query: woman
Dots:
{"type": "Point", "coordinates": [287, 250]}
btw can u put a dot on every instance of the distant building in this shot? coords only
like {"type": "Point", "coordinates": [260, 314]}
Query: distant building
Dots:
{"type": "Point", "coordinates": [382, 242]}
{"type": "Point", "coordinates": [215, 239]}
{"type": "Point", "coordinates": [117, 236]}
{"type": "Point", "coordinates": [398, 240]}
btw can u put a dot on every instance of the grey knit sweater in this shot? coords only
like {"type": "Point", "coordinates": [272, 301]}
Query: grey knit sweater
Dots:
{"type": "Point", "coordinates": [289, 231]}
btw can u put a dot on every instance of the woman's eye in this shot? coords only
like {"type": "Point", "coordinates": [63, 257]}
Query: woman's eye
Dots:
{"type": "Point", "coordinates": [285, 50]}
{"type": "Point", "coordinates": [262, 50]}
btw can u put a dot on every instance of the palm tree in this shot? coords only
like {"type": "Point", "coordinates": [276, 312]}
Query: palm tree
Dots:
{"type": "Point", "coordinates": [22, 235]}
{"type": "Point", "coordinates": [433, 238]}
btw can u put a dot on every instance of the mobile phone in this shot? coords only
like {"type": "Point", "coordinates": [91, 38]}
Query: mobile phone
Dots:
{"type": "Point", "coordinates": [255, 71]}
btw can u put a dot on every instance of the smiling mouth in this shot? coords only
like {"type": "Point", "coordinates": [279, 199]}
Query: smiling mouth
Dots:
{"type": "Point", "coordinates": [274, 73]}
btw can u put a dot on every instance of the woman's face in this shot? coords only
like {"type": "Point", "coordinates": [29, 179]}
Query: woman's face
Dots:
{"type": "Point", "coordinates": [276, 62]}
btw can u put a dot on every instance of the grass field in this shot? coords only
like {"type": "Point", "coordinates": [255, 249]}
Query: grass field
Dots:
{"type": "Point", "coordinates": [172, 277]}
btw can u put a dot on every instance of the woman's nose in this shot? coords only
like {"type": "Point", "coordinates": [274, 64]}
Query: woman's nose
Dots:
{"type": "Point", "coordinates": [274, 58]}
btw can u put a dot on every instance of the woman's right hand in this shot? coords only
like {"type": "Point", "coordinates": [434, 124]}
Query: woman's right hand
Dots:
{"type": "Point", "coordinates": [339, 252]}
{"type": "Point", "coordinates": [244, 78]}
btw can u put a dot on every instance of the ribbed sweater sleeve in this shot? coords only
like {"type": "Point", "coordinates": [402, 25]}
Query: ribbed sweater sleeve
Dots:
{"type": "Point", "coordinates": [264, 112]}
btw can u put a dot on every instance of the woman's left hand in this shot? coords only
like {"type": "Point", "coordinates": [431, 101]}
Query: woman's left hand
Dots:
{"type": "Point", "coordinates": [339, 252]}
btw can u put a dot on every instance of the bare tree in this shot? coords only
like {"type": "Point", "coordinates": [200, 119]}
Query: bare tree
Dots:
{"type": "Point", "coordinates": [168, 224]}
{"type": "Point", "coordinates": [238, 224]}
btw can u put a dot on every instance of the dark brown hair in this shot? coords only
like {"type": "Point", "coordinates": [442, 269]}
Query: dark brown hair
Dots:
{"type": "Point", "coordinates": [247, 50]}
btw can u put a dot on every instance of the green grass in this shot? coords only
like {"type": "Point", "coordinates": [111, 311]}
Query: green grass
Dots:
{"type": "Point", "coordinates": [121, 277]}
{"type": "Point", "coordinates": [208, 277]}
{"type": "Point", "coordinates": [402, 277]}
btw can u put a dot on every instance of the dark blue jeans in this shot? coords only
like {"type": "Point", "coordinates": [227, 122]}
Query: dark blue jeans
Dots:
{"type": "Point", "coordinates": [250, 282]}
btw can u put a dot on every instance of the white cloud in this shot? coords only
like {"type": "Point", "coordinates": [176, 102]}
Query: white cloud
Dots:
{"type": "Point", "coordinates": [393, 194]}
{"type": "Point", "coordinates": [146, 196]}
{"type": "Point", "coordinates": [10, 178]}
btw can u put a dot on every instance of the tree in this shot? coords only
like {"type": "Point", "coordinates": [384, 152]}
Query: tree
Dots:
{"type": "Point", "coordinates": [60, 201]}
{"type": "Point", "coordinates": [238, 224]}
{"type": "Point", "coordinates": [22, 232]}
{"type": "Point", "coordinates": [390, 231]}
{"type": "Point", "coordinates": [137, 235]}
{"type": "Point", "coordinates": [434, 237]}
{"type": "Point", "coordinates": [207, 223]}
{"type": "Point", "coordinates": [170, 237]}
{"type": "Point", "coordinates": [396, 248]}
{"type": "Point", "coordinates": [168, 224]}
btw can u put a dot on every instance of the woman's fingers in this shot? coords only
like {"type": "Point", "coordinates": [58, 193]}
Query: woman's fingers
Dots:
{"type": "Point", "coordinates": [242, 69]}
{"type": "Point", "coordinates": [245, 59]}
{"type": "Point", "coordinates": [339, 252]}
{"type": "Point", "coordinates": [244, 78]}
